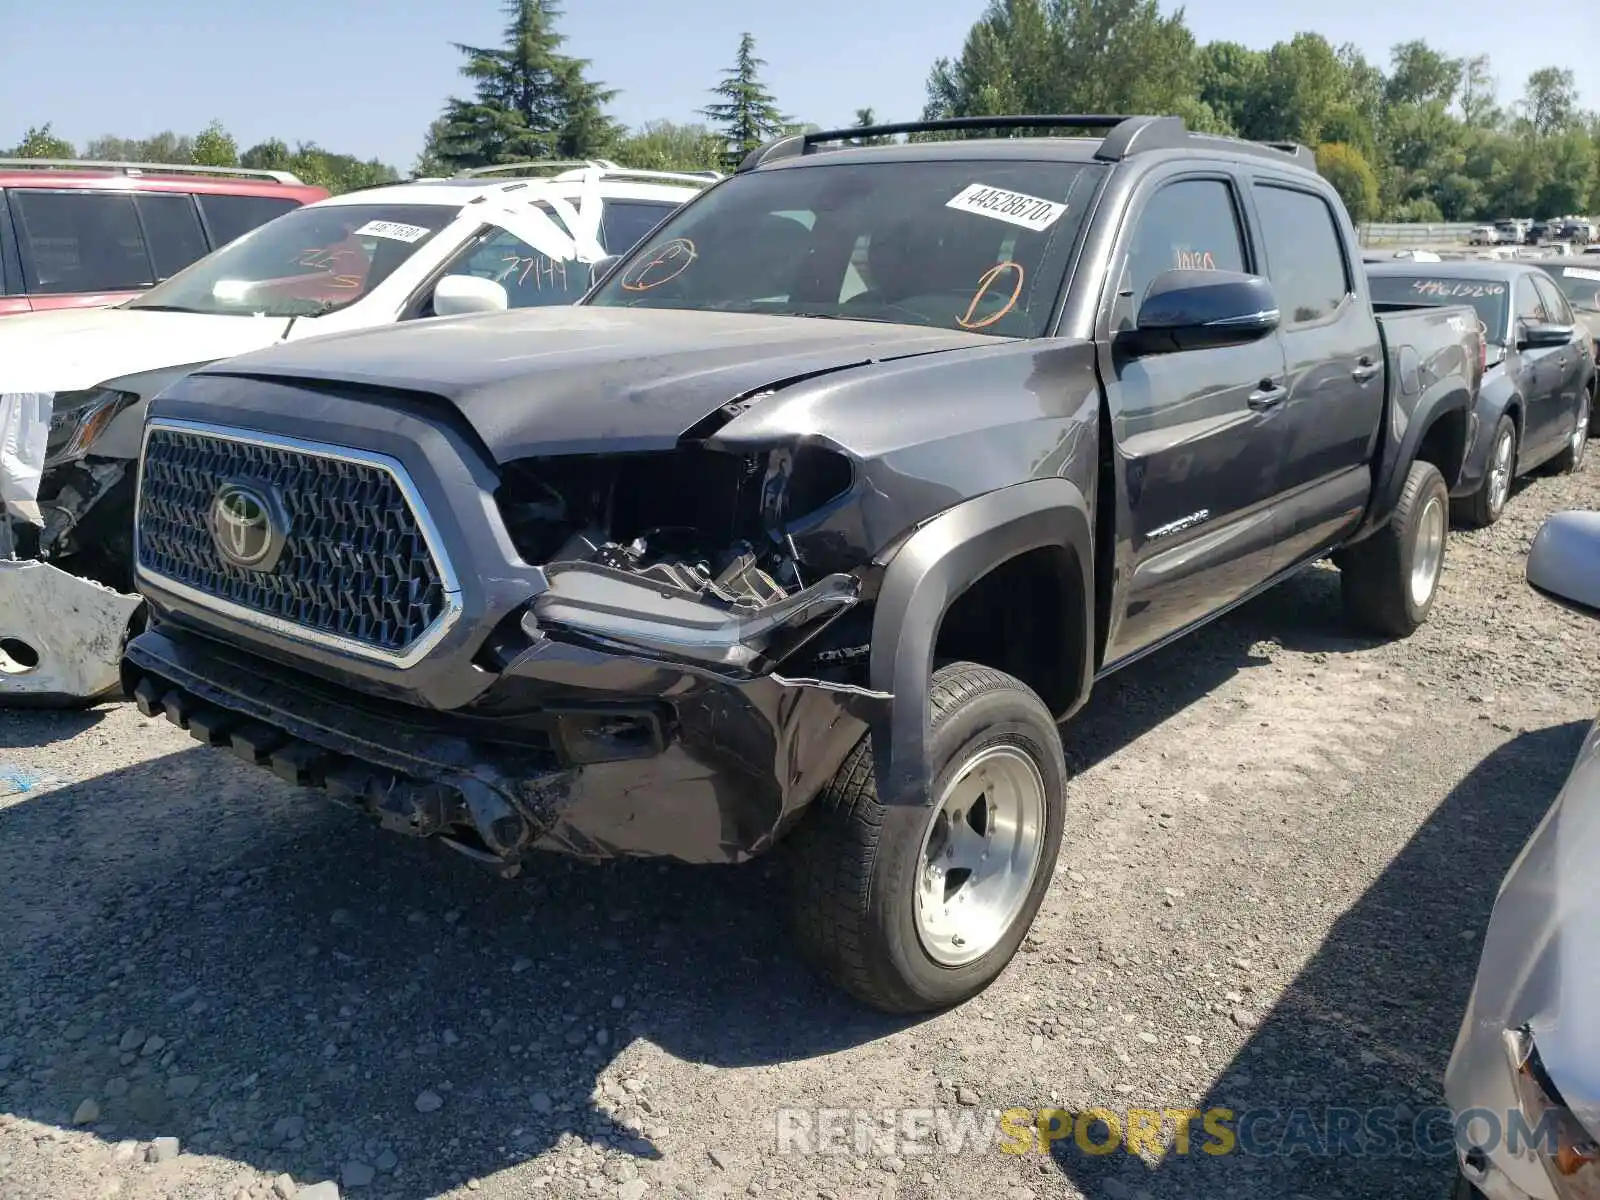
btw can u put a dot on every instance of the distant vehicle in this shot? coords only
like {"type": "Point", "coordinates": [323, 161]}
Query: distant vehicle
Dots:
{"type": "Point", "coordinates": [1511, 229]}
{"type": "Point", "coordinates": [1528, 1049]}
{"type": "Point", "coordinates": [84, 234]}
{"type": "Point", "coordinates": [1483, 235]}
{"type": "Point", "coordinates": [1537, 232]}
{"type": "Point", "coordinates": [817, 515]}
{"type": "Point", "coordinates": [1539, 382]}
{"type": "Point", "coordinates": [1577, 230]}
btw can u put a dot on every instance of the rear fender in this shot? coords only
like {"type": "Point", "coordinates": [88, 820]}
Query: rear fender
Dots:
{"type": "Point", "coordinates": [930, 569]}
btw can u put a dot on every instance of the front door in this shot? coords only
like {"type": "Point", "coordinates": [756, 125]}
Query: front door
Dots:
{"type": "Point", "coordinates": [1197, 434]}
{"type": "Point", "coordinates": [1539, 377]}
{"type": "Point", "coordinates": [1334, 357]}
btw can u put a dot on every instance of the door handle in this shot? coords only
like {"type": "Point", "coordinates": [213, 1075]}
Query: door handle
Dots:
{"type": "Point", "coordinates": [1364, 369]}
{"type": "Point", "coordinates": [1267, 395]}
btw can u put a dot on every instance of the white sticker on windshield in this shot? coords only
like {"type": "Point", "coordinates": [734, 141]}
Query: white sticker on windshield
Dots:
{"type": "Point", "coordinates": [393, 230]}
{"type": "Point", "coordinates": [1015, 208]}
{"type": "Point", "coordinates": [1581, 273]}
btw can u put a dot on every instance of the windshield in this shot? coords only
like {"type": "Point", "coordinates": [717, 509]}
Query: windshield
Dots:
{"type": "Point", "coordinates": [975, 245]}
{"type": "Point", "coordinates": [311, 261]}
{"type": "Point", "coordinates": [1580, 285]}
{"type": "Point", "coordinates": [1487, 296]}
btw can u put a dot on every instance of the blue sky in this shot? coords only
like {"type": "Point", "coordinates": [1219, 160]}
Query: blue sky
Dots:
{"type": "Point", "coordinates": [366, 76]}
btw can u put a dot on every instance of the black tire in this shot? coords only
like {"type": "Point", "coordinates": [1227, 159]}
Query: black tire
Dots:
{"type": "Point", "coordinates": [858, 862]}
{"type": "Point", "coordinates": [1576, 450]}
{"type": "Point", "coordinates": [1484, 506]}
{"type": "Point", "coordinates": [1375, 580]}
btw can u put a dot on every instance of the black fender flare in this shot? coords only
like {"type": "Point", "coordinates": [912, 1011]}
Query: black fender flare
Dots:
{"type": "Point", "coordinates": [1395, 463]}
{"type": "Point", "coordinates": [932, 567]}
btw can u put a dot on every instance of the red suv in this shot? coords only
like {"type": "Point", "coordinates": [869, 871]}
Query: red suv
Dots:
{"type": "Point", "coordinates": [81, 234]}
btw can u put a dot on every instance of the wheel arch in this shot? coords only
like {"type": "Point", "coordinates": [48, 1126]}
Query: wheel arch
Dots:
{"type": "Point", "coordinates": [1036, 533]}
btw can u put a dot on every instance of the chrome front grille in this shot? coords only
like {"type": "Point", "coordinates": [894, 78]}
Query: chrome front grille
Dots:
{"type": "Point", "coordinates": [356, 569]}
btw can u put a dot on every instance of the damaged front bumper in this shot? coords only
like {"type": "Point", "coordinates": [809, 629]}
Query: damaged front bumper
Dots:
{"type": "Point", "coordinates": [61, 637]}
{"type": "Point", "coordinates": [677, 742]}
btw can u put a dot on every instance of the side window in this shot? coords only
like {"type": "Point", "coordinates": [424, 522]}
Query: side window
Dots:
{"type": "Point", "coordinates": [1555, 304]}
{"type": "Point", "coordinates": [1305, 253]}
{"type": "Point", "coordinates": [172, 229]}
{"type": "Point", "coordinates": [232, 217]}
{"type": "Point", "coordinates": [624, 223]}
{"type": "Point", "coordinates": [1192, 224]}
{"type": "Point", "coordinates": [10, 268]}
{"type": "Point", "coordinates": [531, 279]}
{"type": "Point", "coordinates": [80, 241]}
{"type": "Point", "coordinates": [1530, 307]}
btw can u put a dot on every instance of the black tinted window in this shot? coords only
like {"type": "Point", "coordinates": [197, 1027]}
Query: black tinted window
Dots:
{"type": "Point", "coordinates": [1488, 297]}
{"type": "Point", "coordinates": [234, 216]}
{"type": "Point", "coordinates": [1189, 225]}
{"type": "Point", "coordinates": [1530, 307]}
{"type": "Point", "coordinates": [1305, 253]}
{"type": "Point", "coordinates": [1580, 285]}
{"type": "Point", "coordinates": [624, 223]}
{"type": "Point", "coordinates": [1554, 303]}
{"type": "Point", "coordinates": [80, 241]}
{"type": "Point", "coordinates": [172, 230]}
{"type": "Point", "coordinates": [978, 245]}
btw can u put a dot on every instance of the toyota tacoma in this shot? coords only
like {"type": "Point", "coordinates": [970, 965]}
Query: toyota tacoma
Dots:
{"type": "Point", "coordinates": [817, 516]}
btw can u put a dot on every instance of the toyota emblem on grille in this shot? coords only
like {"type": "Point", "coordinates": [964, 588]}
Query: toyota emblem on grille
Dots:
{"type": "Point", "coordinates": [245, 528]}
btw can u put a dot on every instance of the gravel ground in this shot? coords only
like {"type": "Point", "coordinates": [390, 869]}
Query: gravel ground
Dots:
{"type": "Point", "coordinates": [1283, 845]}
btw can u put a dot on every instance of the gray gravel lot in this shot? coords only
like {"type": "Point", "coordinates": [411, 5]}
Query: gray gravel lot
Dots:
{"type": "Point", "coordinates": [1283, 846]}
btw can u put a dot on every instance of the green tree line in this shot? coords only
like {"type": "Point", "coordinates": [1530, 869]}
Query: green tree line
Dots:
{"type": "Point", "coordinates": [1423, 137]}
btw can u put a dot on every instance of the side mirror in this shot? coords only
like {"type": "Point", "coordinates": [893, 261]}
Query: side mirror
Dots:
{"type": "Point", "coordinates": [598, 269]}
{"type": "Point", "coordinates": [1540, 335]}
{"type": "Point", "coordinates": [456, 295]}
{"type": "Point", "coordinates": [1197, 310]}
{"type": "Point", "coordinates": [1564, 562]}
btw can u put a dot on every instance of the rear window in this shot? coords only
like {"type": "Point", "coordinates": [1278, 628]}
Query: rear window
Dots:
{"type": "Point", "coordinates": [80, 241]}
{"type": "Point", "coordinates": [1488, 297]}
{"type": "Point", "coordinates": [232, 217]}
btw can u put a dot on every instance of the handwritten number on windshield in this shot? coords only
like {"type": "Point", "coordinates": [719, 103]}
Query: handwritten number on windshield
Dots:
{"type": "Point", "coordinates": [668, 262]}
{"type": "Point", "coordinates": [986, 284]}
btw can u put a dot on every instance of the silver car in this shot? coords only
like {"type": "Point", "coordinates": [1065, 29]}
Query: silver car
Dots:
{"type": "Point", "coordinates": [1524, 1079]}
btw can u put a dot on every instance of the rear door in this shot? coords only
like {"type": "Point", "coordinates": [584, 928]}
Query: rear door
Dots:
{"type": "Point", "coordinates": [1196, 449]}
{"type": "Point", "coordinates": [1334, 408]}
{"type": "Point", "coordinates": [79, 247]}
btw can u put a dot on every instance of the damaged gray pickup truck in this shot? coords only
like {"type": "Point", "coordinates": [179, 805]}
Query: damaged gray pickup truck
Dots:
{"type": "Point", "coordinates": [815, 517]}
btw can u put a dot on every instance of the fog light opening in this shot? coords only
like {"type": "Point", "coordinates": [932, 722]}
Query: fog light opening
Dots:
{"type": "Point", "coordinates": [17, 657]}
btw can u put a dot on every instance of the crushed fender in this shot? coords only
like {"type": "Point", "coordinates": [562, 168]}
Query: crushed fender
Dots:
{"type": "Point", "coordinates": [61, 637]}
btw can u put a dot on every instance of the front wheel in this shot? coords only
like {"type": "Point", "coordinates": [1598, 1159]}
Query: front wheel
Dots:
{"type": "Point", "coordinates": [1389, 582]}
{"type": "Point", "coordinates": [914, 907]}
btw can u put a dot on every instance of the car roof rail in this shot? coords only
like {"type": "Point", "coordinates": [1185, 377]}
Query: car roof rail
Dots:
{"type": "Point", "coordinates": [138, 168]}
{"type": "Point", "coordinates": [539, 165]}
{"type": "Point", "coordinates": [643, 174]}
{"type": "Point", "coordinates": [1125, 136]}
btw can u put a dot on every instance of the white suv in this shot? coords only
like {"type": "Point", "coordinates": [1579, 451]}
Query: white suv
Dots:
{"type": "Point", "coordinates": [434, 247]}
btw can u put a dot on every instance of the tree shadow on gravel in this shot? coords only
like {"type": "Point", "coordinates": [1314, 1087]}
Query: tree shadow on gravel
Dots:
{"type": "Point", "coordinates": [214, 956]}
{"type": "Point", "coordinates": [1369, 1023]}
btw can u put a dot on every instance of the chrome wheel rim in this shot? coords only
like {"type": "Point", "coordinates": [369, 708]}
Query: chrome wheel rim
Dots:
{"type": "Point", "coordinates": [980, 853]}
{"type": "Point", "coordinates": [1428, 556]}
{"type": "Point", "coordinates": [1500, 468]}
{"type": "Point", "coordinates": [1580, 434]}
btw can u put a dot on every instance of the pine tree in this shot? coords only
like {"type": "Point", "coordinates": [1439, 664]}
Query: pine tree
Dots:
{"type": "Point", "coordinates": [747, 114]}
{"type": "Point", "coordinates": [865, 118]}
{"type": "Point", "coordinates": [530, 101]}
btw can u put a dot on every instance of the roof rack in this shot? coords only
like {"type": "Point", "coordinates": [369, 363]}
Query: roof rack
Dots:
{"type": "Point", "coordinates": [576, 168]}
{"type": "Point", "coordinates": [135, 168]}
{"type": "Point", "coordinates": [1126, 135]}
{"type": "Point", "coordinates": [540, 165]}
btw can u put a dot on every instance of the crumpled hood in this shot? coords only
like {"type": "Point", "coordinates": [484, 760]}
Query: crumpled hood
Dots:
{"type": "Point", "coordinates": [580, 379]}
{"type": "Point", "coordinates": [78, 348]}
